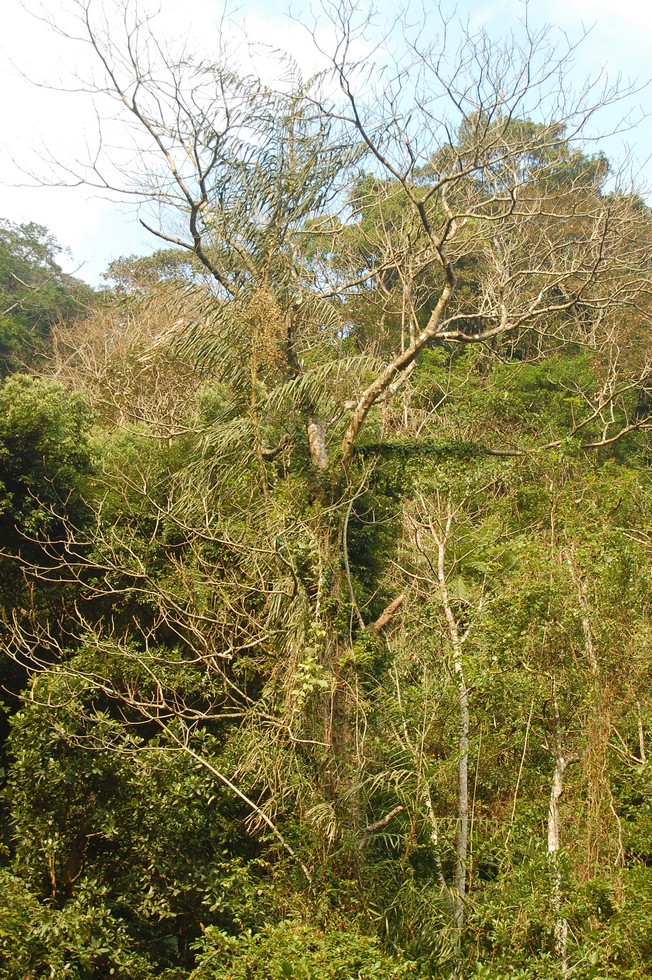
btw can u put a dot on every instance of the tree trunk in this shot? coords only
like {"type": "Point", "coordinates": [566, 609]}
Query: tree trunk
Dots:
{"type": "Point", "coordinates": [462, 835]}
{"type": "Point", "coordinates": [562, 762]}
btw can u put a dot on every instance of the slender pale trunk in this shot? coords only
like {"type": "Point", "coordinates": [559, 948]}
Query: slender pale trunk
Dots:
{"type": "Point", "coordinates": [554, 840]}
{"type": "Point", "coordinates": [462, 843]}
{"type": "Point", "coordinates": [462, 836]}
{"type": "Point", "coordinates": [562, 762]}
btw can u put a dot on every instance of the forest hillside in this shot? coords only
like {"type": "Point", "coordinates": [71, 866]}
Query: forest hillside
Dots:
{"type": "Point", "coordinates": [325, 534]}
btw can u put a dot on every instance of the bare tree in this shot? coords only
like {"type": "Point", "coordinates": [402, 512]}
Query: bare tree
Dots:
{"type": "Point", "coordinates": [482, 143]}
{"type": "Point", "coordinates": [124, 356]}
{"type": "Point", "coordinates": [491, 217]}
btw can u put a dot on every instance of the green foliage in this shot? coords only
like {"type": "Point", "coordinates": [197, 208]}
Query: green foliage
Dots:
{"type": "Point", "coordinates": [106, 812]}
{"type": "Point", "coordinates": [34, 293]}
{"type": "Point", "coordinates": [608, 918]}
{"type": "Point", "coordinates": [83, 941]}
{"type": "Point", "coordinates": [46, 466]}
{"type": "Point", "coordinates": [45, 456]}
{"type": "Point", "coordinates": [295, 949]}
{"type": "Point", "coordinates": [117, 823]}
{"type": "Point", "coordinates": [140, 274]}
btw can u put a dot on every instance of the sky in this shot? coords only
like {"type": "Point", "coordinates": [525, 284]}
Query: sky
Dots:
{"type": "Point", "coordinates": [38, 122]}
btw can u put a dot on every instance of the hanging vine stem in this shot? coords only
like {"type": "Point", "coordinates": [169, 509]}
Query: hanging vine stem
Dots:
{"type": "Point", "coordinates": [355, 609]}
{"type": "Point", "coordinates": [520, 773]}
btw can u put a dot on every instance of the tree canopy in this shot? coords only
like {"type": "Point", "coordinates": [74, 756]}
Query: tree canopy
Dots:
{"type": "Point", "coordinates": [34, 294]}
